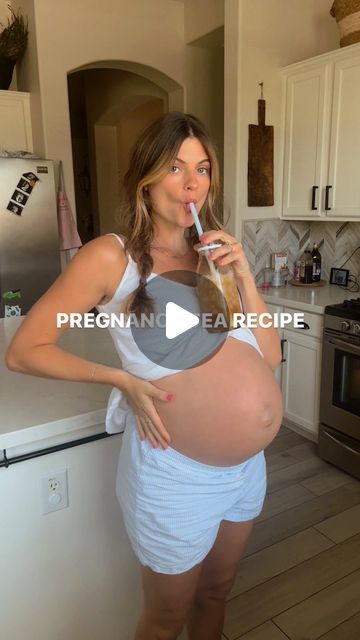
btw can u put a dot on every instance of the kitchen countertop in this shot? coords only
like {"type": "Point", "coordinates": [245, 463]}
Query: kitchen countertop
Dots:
{"type": "Point", "coordinates": [313, 299]}
{"type": "Point", "coordinates": [34, 408]}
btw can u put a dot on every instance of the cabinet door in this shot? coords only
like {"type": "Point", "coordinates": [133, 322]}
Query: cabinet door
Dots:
{"type": "Point", "coordinates": [301, 380]}
{"type": "Point", "coordinates": [15, 121]}
{"type": "Point", "coordinates": [306, 140]}
{"type": "Point", "coordinates": [344, 161]}
{"type": "Point", "coordinates": [273, 308]}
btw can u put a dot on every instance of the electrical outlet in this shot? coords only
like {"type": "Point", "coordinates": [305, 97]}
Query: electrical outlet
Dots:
{"type": "Point", "coordinates": [54, 491]}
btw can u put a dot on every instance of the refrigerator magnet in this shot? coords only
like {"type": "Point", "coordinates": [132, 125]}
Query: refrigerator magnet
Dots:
{"type": "Point", "coordinates": [33, 179]}
{"type": "Point", "coordinates": [12, 311]}
{"type": "Point", "coordinates": [24, 185]}
{"type": "Point", "coordinates": [15, 208]}
{"type": "Point", "coordinates": [10, 295]}
{"type": "Point", "coordinates": [19, 197]}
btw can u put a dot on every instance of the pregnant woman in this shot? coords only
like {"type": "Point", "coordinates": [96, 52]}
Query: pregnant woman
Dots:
{"type": "Point", "coordinates": [191, 475]}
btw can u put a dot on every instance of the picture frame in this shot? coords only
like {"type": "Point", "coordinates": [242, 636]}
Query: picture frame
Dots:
{"type": "Point", "coordinates": [339, 276]}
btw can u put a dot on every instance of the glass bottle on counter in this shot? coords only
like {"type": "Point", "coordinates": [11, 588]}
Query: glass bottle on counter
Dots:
{"type": "Point", "coordinates": [268, 272]}
{"type": "Point", "coordinates": [316, 258]}
{"type": "Point", "coordinates": [308, 267]}
{"type": "Point", "coordinates": [297, 270]}
{"type": "Point", "coordinates": [302, 267]}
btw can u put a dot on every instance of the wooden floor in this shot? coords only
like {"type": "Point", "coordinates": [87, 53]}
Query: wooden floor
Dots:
{"type": "Point", "coordinates": [300, 576]}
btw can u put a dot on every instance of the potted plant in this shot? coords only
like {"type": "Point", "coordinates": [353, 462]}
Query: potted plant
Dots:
{"type": "Point", "coordinates": [13, 41]}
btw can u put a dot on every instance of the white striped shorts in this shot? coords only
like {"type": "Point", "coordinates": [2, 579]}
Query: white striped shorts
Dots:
{"type": "Point", "coordinates": [173, 505]}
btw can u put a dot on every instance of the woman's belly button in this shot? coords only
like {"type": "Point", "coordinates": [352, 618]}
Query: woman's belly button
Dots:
{"type": "Point", "coordinates": [267, 416]}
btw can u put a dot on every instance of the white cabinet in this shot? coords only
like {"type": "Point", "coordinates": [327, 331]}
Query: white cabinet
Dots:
{"type": "Point", "coordinates": [344, 158]}
{"type": "Point", "coordinates": [306, 139]}
{"type": "Point", "coordinates": [301, 380]}
{"type": "Point", "coordinates": [15, 121]}
{"type": "Point", "coordinates": [322, 137]}
{"type": "Point", "coordinates": [299, 374]}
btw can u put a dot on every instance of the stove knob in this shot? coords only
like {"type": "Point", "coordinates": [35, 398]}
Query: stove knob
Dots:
{"type": "Point", "coordinates": [345, 325]}
{"type": "Point", "coordinates": [356, 328]}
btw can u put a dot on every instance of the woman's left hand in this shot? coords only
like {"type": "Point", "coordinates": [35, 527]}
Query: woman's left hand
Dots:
{"type": "Point", "coordinates": [231, 252]}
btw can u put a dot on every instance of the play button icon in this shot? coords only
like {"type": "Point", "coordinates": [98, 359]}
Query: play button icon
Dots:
{"type": "Point", "coordinates": [178, 320]}
{"type": "Point", "coordinates": [174, 335]}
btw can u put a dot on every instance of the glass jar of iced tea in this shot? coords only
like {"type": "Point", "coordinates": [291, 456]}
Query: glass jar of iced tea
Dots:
{"type": "Point", "coordinates": [217, 291]}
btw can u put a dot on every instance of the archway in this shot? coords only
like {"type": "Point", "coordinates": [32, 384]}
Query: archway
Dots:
{"type": "Point", "coordinates": [110, 102]}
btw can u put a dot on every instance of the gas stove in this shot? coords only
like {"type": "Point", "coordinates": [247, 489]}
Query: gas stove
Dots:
{"type": "Point", "coordinates": [344, 317]}
{"type": "Point", "coordinates": [339, 428]}
{"type": "Point", "coordinates": [347, 309]}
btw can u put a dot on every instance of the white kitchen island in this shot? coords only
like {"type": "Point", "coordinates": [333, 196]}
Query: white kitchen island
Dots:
{"type": "Point", "coordinates": [35, 409]}
{"type": "Point", "coordinates": [70, 574]}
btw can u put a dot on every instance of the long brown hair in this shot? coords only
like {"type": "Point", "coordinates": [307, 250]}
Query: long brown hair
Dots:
{"type": "Point", "coordinates": [152, 155]}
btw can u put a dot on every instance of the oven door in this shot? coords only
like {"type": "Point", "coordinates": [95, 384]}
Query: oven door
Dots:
{"type": "Point", "coordinates": [340, 384]}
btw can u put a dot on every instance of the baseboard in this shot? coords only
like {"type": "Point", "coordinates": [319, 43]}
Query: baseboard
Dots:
{"type": "Point", "coordinates": [309, 435]}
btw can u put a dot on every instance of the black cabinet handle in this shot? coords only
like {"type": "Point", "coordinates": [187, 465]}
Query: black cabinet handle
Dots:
{"type": "Point", "coordinates": [304, 326]}
{"type": "Point", "coordinates": [282, 350]}
{"type": "Point", "coordinates": [327, 193]}
{"type": "Point", "coordinates": [313, 198]}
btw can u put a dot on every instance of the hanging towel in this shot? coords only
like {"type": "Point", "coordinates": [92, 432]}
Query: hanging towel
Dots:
{"type": "Point", "coordinates": [68, 233]}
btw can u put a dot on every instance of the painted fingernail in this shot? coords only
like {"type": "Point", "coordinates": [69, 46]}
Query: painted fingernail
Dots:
{"type": "Point", "coordinates": [170, 396]}
{"type": "Point", "coordinates": [154, 446]}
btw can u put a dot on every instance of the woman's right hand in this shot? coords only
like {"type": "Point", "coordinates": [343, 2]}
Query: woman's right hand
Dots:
{"type": "Point", "coordinates": [140, 394]}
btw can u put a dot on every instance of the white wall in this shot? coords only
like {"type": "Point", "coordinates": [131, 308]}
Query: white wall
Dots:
{"type": "Point", "coordinates": [201, 17]}
{"type": "Point", "coordinates": [3, 10]}
{"type": "Point", "coordinates": [28, 77]}
{"type": "Point", "coordinates": [267, 35]}
{"type": "Point", "coordinates": [4, 13]}
{"type": "Point", "coordinates": [204, 33]}
{"type": "Point", "coordinates": [233, 39]}
{"type": "Point", "coordinates": [205, 88]}
{"type": "Point", "coordinates": [68, 574]}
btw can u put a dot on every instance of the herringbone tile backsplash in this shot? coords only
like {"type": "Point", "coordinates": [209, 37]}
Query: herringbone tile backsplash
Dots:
{"type": "Point", "coordinates": [336, 240]}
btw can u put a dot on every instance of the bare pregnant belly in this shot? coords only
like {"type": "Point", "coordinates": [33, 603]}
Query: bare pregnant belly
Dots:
{"type": "Point", "coordinates": [225, 410]}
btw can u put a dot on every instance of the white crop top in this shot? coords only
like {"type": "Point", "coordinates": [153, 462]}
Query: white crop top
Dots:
{"type": "Point", "coordinates": [132, 359]}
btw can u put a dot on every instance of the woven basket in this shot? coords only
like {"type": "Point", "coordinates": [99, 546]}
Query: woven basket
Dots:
{"type": "Point", "coordinates": [347, 15]}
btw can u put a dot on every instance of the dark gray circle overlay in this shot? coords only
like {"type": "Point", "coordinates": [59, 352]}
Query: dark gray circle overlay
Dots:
{"type": "Point", "coordinates": [191, 347]}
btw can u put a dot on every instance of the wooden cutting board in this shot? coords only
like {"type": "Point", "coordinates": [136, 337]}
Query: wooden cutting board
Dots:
{"type": "Point", "coordinates": [318, 283]}
{"type": "Point", "coordinates": [261, 161]}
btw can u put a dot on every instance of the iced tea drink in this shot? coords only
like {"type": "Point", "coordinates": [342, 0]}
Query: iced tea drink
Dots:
{"type": "Point", "coordinates": [217, 291]}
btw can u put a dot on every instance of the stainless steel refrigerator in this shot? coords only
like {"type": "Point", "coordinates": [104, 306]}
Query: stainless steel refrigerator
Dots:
{"type": "Point", "coordinates": [29, 239]}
